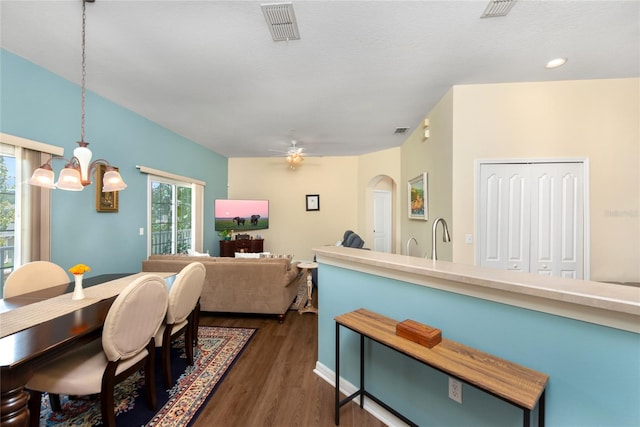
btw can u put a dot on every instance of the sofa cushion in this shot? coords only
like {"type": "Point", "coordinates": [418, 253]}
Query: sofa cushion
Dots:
{"type": "Point", "coordinates": [247, 255]}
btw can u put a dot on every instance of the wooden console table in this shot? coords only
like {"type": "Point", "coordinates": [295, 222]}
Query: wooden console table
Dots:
{"type": "Point", "coordinates": [228, 248]}
{"type": "Point", "coordinates": [515, 384]}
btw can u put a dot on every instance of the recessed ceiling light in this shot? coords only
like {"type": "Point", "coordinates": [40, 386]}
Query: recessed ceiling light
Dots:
{"type": "Point", "coordinates": [555, 63]}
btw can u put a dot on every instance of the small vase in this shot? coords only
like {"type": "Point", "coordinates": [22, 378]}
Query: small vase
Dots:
{"type": "Point", "coordinates": [78, 292]}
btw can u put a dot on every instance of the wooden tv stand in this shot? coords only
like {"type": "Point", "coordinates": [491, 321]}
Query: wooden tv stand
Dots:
{"type": "Point", "coordinates": [228, 248]}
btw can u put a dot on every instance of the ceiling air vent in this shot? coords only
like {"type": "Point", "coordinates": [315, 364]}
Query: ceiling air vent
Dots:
{"type": "Point", "coordinates": [281, 21]}
{"type": "Point", "coordinates": [400, 131]}
{"type": "Point", "coordinates": [497, 8]}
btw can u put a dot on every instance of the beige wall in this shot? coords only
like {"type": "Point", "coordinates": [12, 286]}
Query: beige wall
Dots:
{"type": "Point", "coordinates": [434, 157]}
{"type": "Point", "coordinates": [378, 171]}
{"type": "Point", "coordinates": [598, 120]}
{"type": "Point", "coordinates": [594, 119]}
{"type": "Point", "coordinates": [293, 230]}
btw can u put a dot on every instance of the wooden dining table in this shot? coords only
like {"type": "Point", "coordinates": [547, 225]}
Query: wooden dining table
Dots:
{"type": "Point", "coordinates": [23, 351]}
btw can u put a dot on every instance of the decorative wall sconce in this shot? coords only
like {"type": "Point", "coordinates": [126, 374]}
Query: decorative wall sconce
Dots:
{"type": "Point", "coordinates": [426, 130]}
{"type": "Point", "coordinates": [77, 172]}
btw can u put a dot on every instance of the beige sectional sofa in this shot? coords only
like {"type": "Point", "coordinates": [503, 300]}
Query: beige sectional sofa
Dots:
{"type": "Point", "coordinates": [240, 285]}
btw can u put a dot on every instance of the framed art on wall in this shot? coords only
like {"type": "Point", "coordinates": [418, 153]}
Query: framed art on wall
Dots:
{"type": "Point", "coordinates": [105, 201]}
{"type": "Point", "coordinates": [313, 202]}
{"type": "Point", "coordinates": [417, 196]}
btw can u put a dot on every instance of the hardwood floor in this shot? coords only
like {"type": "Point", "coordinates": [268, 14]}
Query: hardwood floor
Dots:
{"type": "Point", "coordinates": [272, 382]}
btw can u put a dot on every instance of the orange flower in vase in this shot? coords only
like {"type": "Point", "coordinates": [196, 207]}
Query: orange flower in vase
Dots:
{"type": "Point", "coordinates": [78, 270]}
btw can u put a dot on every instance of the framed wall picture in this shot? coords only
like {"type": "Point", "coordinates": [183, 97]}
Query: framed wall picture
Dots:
{"type": "Point", "coordinates": [313, 202]}
{"type": "Point", "coordinates": [418, 197]}
{"type": "Point", "coordinates": [105, 201]}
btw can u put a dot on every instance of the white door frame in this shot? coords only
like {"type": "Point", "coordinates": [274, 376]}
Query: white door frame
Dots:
{"type": "Point", "coordinates": [586, 224]}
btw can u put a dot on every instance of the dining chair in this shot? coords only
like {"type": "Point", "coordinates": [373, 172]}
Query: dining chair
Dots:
{"type": "Point", "coordinates": [127, 345]}
{"type": "Point", "coordinates": [34, 276]}
{"type": "Point", "coordinates": [182, 315]}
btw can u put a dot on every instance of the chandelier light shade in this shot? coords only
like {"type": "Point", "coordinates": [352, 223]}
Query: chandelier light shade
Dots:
{"type": "Point", "coordinates": [112, 181]}
{"type": "Point", "coordinates": [78, 171]}
{"type": "Point", "coordinates": [83, 154]}
{"type": "Point", "coordinates": [70, 179]}
{"type": "Point", "coordinates": [43, 177]}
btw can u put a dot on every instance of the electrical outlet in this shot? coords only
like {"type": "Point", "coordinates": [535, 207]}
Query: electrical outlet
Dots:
{"type": "Point", "coordinates": [455, 390]}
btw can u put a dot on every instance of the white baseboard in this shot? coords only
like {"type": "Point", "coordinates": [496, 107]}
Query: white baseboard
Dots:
{"type": "Point", "coordinates": [348, 389]}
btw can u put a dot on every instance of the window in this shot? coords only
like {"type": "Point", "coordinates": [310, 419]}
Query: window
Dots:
{"type": "Point", "coordinates": [171, 228]}
{"type": "Point", "coordinates": [25, 217]}
{"type": "Point", "coordinates": [175, 212]}
{"type": "Point", "coordinates": [7, 211]}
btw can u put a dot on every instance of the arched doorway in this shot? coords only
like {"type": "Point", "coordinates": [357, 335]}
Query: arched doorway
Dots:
{"type": "Point", "coordinates": [380, 202]}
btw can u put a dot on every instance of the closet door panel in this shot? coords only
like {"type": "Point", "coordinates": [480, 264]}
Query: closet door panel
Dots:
{"type": "Point", "coordinates": [557, 220]}
{"type": "Point", "coordinates": [504, 215]}
{"type": "Point", "coordinates": [543, 222]}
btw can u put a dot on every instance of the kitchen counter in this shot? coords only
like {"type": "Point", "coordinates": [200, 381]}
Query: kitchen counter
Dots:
{"type": "Point", "coordinates": [612, 305]}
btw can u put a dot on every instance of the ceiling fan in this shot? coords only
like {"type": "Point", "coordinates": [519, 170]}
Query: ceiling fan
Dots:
{"type": "Point", "coordinates": [294, 155]}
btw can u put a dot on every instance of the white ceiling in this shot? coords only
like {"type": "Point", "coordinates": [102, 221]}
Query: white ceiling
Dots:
{"type": "Point", "coordinates": [210, 71]}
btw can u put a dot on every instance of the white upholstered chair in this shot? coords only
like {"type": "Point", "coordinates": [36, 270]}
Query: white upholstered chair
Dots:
{"type": "Point", "coordinates": [182, 315]}
{"type": "Point", "coordinates": [127, 345]}
{"type": "Point", "coordinates": [34, 276]}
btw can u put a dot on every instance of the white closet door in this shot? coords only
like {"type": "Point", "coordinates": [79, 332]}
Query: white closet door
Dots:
{"type": "Point", "coordinates": [504, 217]}
{"type": "Point", "coordinates": [557, 220]}
{"type": "Point", "coordinates": [531, 218]}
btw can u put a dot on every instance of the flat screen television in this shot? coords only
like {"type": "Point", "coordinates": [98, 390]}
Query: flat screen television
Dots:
{"type": "Point", "coordinates": [241, 215]}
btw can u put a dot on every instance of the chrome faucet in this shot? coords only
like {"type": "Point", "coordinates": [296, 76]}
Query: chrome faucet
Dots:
{"type": "Point", "coordinates": [409, 242]}
{"type": "Point", "coordinates": [445, 236]}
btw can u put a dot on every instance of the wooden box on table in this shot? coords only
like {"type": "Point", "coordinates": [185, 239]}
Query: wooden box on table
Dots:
{"type": "Point", "coordinates": [419, 333]}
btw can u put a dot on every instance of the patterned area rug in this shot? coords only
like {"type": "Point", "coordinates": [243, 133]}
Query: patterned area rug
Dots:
{"type": "Point", "coordinates": [218, 349]}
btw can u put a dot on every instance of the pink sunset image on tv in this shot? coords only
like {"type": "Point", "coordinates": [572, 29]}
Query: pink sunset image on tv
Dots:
{"type": "Point", "coordinates": [241, 214]}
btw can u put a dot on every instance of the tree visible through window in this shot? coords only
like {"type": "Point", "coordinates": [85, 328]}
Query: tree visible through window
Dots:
{"type": "Point", "coordinates": [7, 214]}
{"type": "Point", "coordinates": [171, 220]}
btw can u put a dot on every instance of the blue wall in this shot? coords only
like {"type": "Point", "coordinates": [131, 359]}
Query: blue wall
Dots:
{"type": "Point", "coordinates": [594, 370]}
{"type": "Point", "coordinates": [41, 106]}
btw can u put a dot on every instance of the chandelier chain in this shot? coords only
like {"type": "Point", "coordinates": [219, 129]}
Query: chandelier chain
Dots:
{"type": "Point", "coordinates": [84, 66]}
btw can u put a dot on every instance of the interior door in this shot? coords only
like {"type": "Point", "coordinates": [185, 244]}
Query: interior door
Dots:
{"type": "Point", "coordinates": [382, 221]}
{"type": "Point", "coordinates": [504, 216]}
{"type": "Point", "coordinates": [557, 220]}
{"type": "Point", "coordinates": [531, 217]}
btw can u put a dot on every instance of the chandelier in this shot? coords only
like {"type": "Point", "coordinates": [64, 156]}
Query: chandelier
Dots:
{"type": "Point", "coordinates": [78, 171]}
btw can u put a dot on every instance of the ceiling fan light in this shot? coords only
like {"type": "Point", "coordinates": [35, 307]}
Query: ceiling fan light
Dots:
{"type": "Point", "coordinates": [70, 179]}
